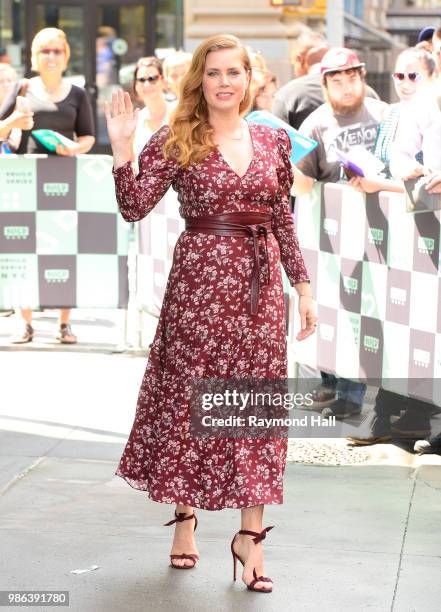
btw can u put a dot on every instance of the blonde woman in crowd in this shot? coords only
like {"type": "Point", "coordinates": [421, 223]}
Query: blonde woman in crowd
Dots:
{"type": "Point", "coordinates": [265, 93]}
{"type": "Point", "coordinates": [410, 125]}
{"type": "Point", "coordinates": [58, 105]}
{"type": "Point", "coordinates": [175, 66]}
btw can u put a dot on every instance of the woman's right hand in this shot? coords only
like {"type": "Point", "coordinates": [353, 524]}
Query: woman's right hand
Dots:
{"type": "Point", "coordinates": [23, 120]}
{"type": "Point", "coordinates": [121, 120]}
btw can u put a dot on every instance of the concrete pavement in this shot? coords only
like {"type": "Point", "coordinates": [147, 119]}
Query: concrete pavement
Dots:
{"type": "Point", "coordinates": [360, 537]}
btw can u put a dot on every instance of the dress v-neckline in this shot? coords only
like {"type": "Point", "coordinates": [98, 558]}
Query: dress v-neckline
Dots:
{"type": "Point", "coordinates": [220, 154]}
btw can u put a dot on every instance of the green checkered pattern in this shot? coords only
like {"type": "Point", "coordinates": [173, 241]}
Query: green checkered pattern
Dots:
{"type": "Point", "coordinates": [375, 273]}
{"type": "Point", "coordinates": [62, 240]}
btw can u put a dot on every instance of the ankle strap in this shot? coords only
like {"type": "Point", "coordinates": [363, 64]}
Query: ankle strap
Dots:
{"type": "Point", "coordinates": [258, 536]}
{"type": "Point", "coordinates": [180, 517]}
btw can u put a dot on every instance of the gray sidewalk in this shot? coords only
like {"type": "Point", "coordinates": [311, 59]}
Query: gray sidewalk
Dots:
{"type": "Point", "coordinates": [347, 538]}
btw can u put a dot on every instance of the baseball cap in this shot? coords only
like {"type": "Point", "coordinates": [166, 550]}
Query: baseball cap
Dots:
{"type": "Point", "coordinates": [426, 34]}
{"type": "Point", "coordinates": [339, 59]}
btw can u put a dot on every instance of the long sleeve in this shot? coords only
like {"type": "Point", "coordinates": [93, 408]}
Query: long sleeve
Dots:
{"type": "Point", "coordinates": [282, 221]}
{"type": "Point", "coordinates": [138, 195]}
{"type": "Point", "coordinates": [419, 129]}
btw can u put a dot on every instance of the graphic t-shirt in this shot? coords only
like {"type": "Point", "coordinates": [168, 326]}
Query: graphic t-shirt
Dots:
{"type": "Point", "coordinates": [341, 132]}
{"type": "Point", "coordinates": [296, 100]}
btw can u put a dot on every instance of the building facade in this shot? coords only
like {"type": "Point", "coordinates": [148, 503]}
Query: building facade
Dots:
{"type": "Point", "coordinates": [274, 30]}
{"type": "Point", "coordinates": [405, 18]}
{"type": "Point", "coordinates": [106, 37]}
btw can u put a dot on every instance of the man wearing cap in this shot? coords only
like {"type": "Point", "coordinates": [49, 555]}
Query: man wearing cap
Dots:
{"type": "Point", "coordinates": [348, 118]}
{"type": "Point", "coordinates": [426, 35]}
{"type": "Point", "coordinates": [296, 100]}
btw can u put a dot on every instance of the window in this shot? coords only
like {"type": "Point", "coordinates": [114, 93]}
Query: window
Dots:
{"type": "Point", "coordinates": [169, 24]}
{"type": "Point", "coordinates": [355, 8]}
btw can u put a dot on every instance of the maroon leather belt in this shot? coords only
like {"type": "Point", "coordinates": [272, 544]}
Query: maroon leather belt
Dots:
{"type": "Point", "coordinates": [252, 225]}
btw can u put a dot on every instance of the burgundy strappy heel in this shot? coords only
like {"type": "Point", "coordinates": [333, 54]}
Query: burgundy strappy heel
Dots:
{"type": "Point", "coordinates": [180, 516]}
{"type": "Point", "coordinates": [257, 537]}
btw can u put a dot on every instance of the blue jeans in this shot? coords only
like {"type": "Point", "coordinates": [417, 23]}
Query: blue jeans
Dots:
{"type": "Point", "coordinates": [345, 389]}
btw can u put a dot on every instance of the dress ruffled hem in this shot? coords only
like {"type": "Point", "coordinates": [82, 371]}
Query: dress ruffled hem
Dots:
{"type": "Point", "coordinates": [228, 504]}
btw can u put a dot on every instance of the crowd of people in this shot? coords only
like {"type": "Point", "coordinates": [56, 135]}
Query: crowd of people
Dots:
{"type": "Point", "coordinates": [223, 317]}
{"type": "Point", "coordinates": [329, 101]}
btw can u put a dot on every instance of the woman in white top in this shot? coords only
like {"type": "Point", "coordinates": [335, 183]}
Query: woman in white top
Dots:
{"type": "Point", "coordinates": [148, 90]}
{"type": "Point", "coordinates": [410, 131]}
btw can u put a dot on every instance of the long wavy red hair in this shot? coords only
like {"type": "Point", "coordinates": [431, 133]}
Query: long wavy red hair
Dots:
{"type": "Point", "coordinates": [191, 136]}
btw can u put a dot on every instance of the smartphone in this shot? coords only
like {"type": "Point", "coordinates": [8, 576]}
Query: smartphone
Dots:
{"type": "Point", "coordinates": [352, 170]}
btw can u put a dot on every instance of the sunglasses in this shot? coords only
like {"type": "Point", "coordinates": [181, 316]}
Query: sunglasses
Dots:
{"type": "Point", "coordinates": [49, 51]}
{"type": "Point", "coordinates": [412, 76]}
{"type": "Point", "coordinates": [150, 79]}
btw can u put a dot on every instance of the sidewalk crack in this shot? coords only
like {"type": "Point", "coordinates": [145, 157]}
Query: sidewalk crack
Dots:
{"type": "Point", "coordinates": [22, 474]}
{"type": "Point", "coordinates": [402, 546]}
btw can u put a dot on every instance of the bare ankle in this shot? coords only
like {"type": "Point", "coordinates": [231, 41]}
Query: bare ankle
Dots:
{"type": "Point", "coordinates": [185, 509]}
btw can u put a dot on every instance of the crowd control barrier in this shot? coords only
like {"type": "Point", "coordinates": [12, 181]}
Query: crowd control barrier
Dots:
{"type": "Point", "coordinates": [157, 235]}
{"type": "Point", "coordinates": [62, 241]}
{"type": "Point", "coordinates": [375, 272]}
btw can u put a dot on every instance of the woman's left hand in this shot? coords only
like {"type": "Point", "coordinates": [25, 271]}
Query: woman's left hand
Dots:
{"type": "Point", "coordinates": [308, 317]}
{"type": "Point", "coordinates": [67, 151]}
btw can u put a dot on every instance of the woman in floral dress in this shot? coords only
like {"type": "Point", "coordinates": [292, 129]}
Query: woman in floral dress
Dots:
{"type": "Point", "coordinates": [223, 311]}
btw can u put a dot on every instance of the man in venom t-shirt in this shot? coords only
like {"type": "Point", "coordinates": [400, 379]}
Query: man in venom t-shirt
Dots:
{"type": "Point", "coordinates": [348, 118]}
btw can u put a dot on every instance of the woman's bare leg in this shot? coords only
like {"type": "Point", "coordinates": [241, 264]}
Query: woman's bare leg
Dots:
{"type": "Point", "coordinates": [183, 541]}
{"type": "Point", "coordinates": [252, 554]}
{"type": "Point", "coordinates": [26, 315]}
{"type": "Point", "coordinates": [66, 335]}
{"type": "Point", "coordinates": [64, 316]}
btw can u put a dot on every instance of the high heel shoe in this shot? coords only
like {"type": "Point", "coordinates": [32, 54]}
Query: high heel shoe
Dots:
{"type": "Point", "coordinates": [180, 517]}
{"type": "Point", "coordinates": [257, 537]}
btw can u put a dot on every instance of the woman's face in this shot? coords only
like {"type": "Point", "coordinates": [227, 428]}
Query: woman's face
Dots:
{"type": "Point", "coordinates": [7, 79]}
{"type": "Point", "coordinates": [51, 57]}
{"type": "Point", "coordinates": [265, 97]}
{"type": "Point", "coordinates": [225, 80]}
{"type": "Point", "coordinates": [149, 83]}
{"type": "Point", "coordinates": [409, 76]}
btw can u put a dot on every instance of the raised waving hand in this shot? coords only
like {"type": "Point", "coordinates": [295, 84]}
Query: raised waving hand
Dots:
{"type": "Point", "coordinates": [121, 120]}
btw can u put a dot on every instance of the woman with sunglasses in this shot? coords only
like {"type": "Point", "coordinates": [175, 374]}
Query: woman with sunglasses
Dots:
{"type": "Point", "coordinates": [148, 90]}
{"type": "Point", "coordinates": [413, 80]}
{"type": "Point", "coordinates": [58, 105]}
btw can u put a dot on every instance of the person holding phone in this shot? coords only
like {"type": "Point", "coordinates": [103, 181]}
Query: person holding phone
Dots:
{"type": "Point", "coordinates": [348, 118]}
{"type": "Point", "coordinates": [54, 104]}
{"type": "Point", "coordinates": [411, 130]}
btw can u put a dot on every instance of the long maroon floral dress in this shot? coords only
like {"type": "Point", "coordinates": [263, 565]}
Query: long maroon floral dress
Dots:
{"type": "Point", "coordinates": [205, 327]}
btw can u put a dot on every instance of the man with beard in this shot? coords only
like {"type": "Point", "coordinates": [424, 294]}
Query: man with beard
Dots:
{"type": "Point", "coordinates": [347, 118]}
{"type": "Point", "coordinates": [296, 100]}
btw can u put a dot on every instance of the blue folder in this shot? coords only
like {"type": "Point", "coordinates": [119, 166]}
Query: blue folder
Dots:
{"type": "Point", "coordinates": [301, 145]}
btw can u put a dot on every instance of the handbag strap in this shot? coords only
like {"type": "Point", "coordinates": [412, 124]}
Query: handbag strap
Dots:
{"type": "Point", "coordinates": [23, 86]}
